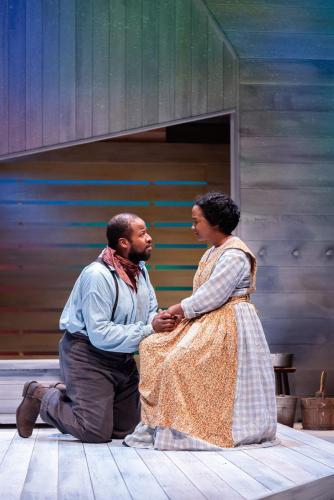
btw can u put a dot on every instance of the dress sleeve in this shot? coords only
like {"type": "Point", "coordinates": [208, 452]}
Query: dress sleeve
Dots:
{"type": "Point", "coordinates": [229, 270]}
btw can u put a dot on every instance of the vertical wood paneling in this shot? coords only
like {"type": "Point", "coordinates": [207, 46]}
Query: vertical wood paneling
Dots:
{"type": "Point", "coordinates": [215, 72]}
{"type": "Point", "coordinates": [67, 66]}
{"type": "Point", "coordinates": [183, 74]}
{"type": "Point", "coordinates": [134, 64]}
{"type": "Point", "coordinates": [50, 72]}
{"type": "Point", "coordinates": [17, 75]}
{"type": "Point", "coordinates": [34, 93]}
{"type": "Point", "coordinates": [166, 34]}
{"type": "Point", "coordinates": [100, 67]}
{"type": "Point", "coordinates": [150, 62]}
{"type": "Point", "coordinates": [230, 82]}
{"type": "Point", "coordinates": [84, 69]}
{"type": "Point", "coordinates": [4, 91]}
{"type": "Point", "coordinates": [199, 63]}
{"type": "Point", "coordinates": [117, 51]}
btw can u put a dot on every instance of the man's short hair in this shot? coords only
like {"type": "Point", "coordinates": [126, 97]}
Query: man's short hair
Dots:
{"type": "Point", "coordinates": [118, 227]}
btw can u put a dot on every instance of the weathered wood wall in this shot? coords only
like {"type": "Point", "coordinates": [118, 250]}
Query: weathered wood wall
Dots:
{"type": "Point", "coordinates": [286, 104]}
{"type": "Point", "coordinates": [76, 71]}
{"type": "Point", "coordinates": [73, 70]}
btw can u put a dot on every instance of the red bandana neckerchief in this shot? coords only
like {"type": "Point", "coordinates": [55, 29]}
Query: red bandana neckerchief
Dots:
{"type": "Point", "coordinates": [127, 270]}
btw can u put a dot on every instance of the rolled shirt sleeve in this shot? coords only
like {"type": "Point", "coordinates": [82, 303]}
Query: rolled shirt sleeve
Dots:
{"type": "Point", "coordinates": [229, 270]}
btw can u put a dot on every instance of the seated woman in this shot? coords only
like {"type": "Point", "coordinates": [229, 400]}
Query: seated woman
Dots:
{"type": "Point", "coordinates": [210, 383]}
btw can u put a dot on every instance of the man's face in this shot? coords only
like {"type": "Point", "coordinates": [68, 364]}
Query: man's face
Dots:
{"type": "Point", "coordinates": [140, 241]}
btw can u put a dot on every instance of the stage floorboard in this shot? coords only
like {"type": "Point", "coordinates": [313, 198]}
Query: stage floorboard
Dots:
{"type": "Point", "coordinates": [51, 466]}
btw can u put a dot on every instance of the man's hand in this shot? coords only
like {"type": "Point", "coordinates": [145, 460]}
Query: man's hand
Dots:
{"type": "Point", "coordinates": [163, 322]}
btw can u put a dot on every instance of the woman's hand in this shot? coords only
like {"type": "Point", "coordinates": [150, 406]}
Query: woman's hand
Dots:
{"type": "Point", "coordinates": [176, 312]}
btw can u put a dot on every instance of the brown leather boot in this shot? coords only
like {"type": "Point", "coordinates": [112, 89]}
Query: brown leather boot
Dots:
{"type": "Point", "coordinates": [28, 411]}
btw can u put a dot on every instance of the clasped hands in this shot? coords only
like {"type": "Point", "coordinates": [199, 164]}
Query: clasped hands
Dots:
{"type": "Point", "coordinates": [166, 321]}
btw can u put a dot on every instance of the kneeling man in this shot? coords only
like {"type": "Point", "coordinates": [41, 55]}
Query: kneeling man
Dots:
{"type": "Point", "coordinates": [111, 308]}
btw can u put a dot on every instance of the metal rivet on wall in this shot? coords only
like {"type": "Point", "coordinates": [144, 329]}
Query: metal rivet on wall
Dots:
{"type": "Point", "coordinates": [329, 252]}
{"type": "Point", "coordinates": [295, 252]}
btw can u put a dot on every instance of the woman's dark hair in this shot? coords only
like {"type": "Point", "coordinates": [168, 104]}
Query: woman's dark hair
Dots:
{"type": "Point", "coordinates": [118, 227]}
{"type": "Point", "coordinates": [219, 210]}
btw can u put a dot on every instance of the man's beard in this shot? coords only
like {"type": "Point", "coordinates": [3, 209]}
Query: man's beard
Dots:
{"type": "Point", "coordinates": [136, 257]}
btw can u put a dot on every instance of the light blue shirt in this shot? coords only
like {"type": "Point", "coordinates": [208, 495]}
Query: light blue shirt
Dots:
{"type": "Point", "coordinates": [90, 305]}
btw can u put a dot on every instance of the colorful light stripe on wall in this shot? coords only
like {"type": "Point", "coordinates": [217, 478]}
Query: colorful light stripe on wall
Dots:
{"type": "Point", "coordinates": [102, 245]}
{"type": "Point", "coordinates": [115, 182]}
{"type": "Point", "coordinates": [101, 203]}
{"type": "Point", "coordinates": [75, 182]}
{"type": "Point", "coordinates": [173, 203]}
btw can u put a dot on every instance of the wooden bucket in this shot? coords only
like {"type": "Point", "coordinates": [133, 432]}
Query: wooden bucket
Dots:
{"type": "Point", "coordinates": [286, 409]}
{"type": "Point", "coordinates": [318, 413]}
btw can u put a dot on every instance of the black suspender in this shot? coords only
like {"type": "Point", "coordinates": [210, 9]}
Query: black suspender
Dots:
{"type": "Point", "coordinates": [113, 274]}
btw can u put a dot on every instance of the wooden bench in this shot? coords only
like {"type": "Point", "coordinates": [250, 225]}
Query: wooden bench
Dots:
{"type": "Point", "coordinates": [13, 375]}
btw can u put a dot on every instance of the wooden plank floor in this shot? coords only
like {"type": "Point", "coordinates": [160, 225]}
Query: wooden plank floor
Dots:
{"type": "Point", "coordinates": [53, 466]}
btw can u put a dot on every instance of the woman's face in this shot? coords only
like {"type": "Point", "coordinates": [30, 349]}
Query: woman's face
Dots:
{"type": "Point", "coordinates": [201, 227]}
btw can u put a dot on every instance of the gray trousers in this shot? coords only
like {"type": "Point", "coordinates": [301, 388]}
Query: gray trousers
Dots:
{"type": "Point", "coordinates": [101, 400]}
